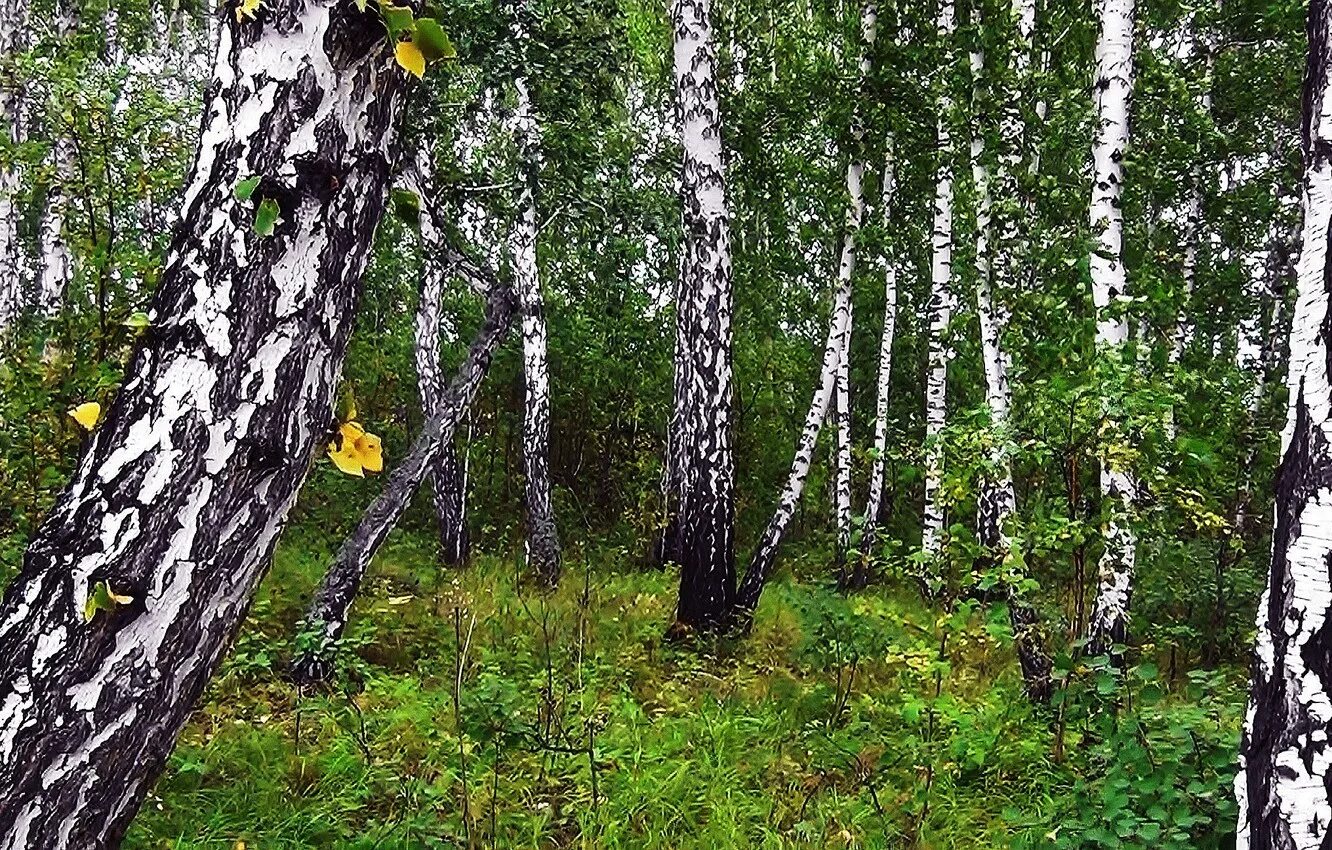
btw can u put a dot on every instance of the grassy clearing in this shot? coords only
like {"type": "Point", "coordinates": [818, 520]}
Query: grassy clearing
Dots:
{"type": "Point", "coordinates": [472, 711]}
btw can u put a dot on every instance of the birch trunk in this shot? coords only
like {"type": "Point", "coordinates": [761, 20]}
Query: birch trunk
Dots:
{"type": "Point", "coordinates": [182, 490]}
{"type": "Point", "coordinates": [541, 543]}
{"type": "Point", "coordinates": [447, 475]}
{"type": "Point", "coordinates": [941, 299]}
{"type": "Point", "coordinates": [874, 507]}
{"type": "Point", "coordinates": [1113, 91]}
{"type": "Point", "coordinates": [705, 533]}
{"type": "Point", "coordinates": [13, 41]}
{"type": "Point", "coordinates": [57, 265]}
{"type": "Point", "coordinates": [833, 373]}
{"type": "Point", "coordinates": [1284, 787]}
{"type": "Point", "coordinates": [997, 500]}
{"type": "Point", "coordinates": [327, 616]}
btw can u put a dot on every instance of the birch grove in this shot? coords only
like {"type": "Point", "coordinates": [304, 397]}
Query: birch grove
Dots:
{"type": "Point", "coordinates": [388, 390]}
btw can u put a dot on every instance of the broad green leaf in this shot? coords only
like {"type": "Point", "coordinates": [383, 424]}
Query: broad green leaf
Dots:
{"type": "Point", "coordinates": [245, 188]}
{"type": "Point", "coordinates": [266, 216]}
{"type": "Point", "coordinates": [398, 19]}
{"type": "Point", "coordinates": [432, 42]}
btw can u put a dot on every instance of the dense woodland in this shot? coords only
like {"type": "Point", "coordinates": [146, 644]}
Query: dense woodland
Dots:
{"type": "Point", "coordinates": [694, 423]}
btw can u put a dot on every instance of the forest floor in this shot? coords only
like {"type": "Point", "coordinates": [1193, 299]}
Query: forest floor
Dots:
{"type": "Point", "coordinates": [473, 711]}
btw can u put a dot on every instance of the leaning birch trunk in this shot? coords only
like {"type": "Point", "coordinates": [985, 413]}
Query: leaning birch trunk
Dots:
{"type": "Point", "coordinates": [1113, 91]}
{"type": "Point", "coordinates": [326, 618]}
{"type": "Point", "coordinates": [541, 543]}
{"type": "Point", "coordinates": [13, 41]}
{"type": "Point", "coordinates": [447, 476]}
{"type": "Point", "coordinates": [941, 299]}
{"type": "Point", "coordinates": [184, 487]}
{"type": "Point", "coordinates": [832, 374]}
{"type": "Point", "coordinates": [705, 530]}
{"type": "Point", "coordinates": [1284, 786]}
{"type": "Point", "coordinates": [874, 507]}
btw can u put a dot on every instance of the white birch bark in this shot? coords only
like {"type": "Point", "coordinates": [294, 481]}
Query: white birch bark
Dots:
{"type": "Point", "coordinates": [1284, 785]}
{"type": "Point", "coordinates": [56, 263]}
{"type": "Point", "coordinates": [996, 501]}
{"type": "Point", "coordinates": [447, 476]}
{"type": "Point", "coordinates": [1113, 92]}
{"type": "Point", "coordinates": [940, 308]}
{"type": "Point", "coordinates": [705, 533]}
{"type": "Point", "coordinates": [833, 372]}
{"type": "Point", "coordinates": [185, 485]}
{"type": "Point", "coordinates": [541, 542]}
{"type": "Point", "coordinates": [13, 41]}
{"type": "Point", "coordinates": [878, 456]}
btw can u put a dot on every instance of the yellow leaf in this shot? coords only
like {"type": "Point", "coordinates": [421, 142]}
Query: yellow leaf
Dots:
{"type": "Point", "coordinates": [371, 451]}
{"type": "Point", "coordinates": [409, 56]}
{"type": "Point", "coordinates": [342, 451]}
{"type": "Point", "coordinates": [87, 414]}
{"type": "Point", "coordinates": [246, 9]}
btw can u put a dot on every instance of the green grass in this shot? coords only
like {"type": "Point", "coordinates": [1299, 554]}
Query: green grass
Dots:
{"type": "Point", "coordinates": [577, 726]}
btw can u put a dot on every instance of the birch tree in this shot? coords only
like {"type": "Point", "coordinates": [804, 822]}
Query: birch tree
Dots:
{"type": "Point", "coordinates": [834, 371]}
{"type": "Point", "coordinates": [13, 41]}
{"type": "Point", "coordinates": [56, 265]}
{"type": "Point", "coordinates": [940, 308]}
{"type": "Point", "coordinates": [140, 575]}
{"type": "Point", "coordinates": [996, 266]}
{"type": "Point", "coordinates": [1112, 92]}
{"type": "Point", "coordinates": [1283, 785]}
{"type": "Point", "coordinates": [541, 543]}
{"type": "Point", "coordinates": [701, 436]}
{"type": "Point", "coordinates": [874, 506]}
{"type": "Point", "coordinates": [447, 474]}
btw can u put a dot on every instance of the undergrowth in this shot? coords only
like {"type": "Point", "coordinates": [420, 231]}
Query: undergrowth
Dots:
{"type": "Point", "coordinates": [473, 711]}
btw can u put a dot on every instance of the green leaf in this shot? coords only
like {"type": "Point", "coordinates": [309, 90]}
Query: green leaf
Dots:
{"type": "Point", "coordinates": [432, 41]}
{"type": "Point", "coordinates": [265, 218]}
{"type": "Point", "coordinates": [245, 188]}
{"type": "Point", "coordinates": [398, 19]}
{"type": "Point", "coordinates": [407, 206]}
{"type": "Point", "coordinates": [138, 321]}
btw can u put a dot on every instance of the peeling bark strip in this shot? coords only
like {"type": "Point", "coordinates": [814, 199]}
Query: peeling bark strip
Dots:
{"type": "Point", "coordinates": [13, 41]}
{"type": "Point", "coordinates": [941, 299]}
{"type": "Point", "coordinates": [182, 491]}
{"type": "Point", "coordinates": [327, 615]}
{"type": "Point", "coordinates": [447, 477]}
{"type": "Point", "coordinates": [541, 543]}
{"type": "Point", "coordinates": [1113, 91]}
{"type": "Point", "coordinates": [705, 531]}
{"type": "Point", "coordinates": [833, 374]}
{"type": "Point", "coordinates": [1284, 786]}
